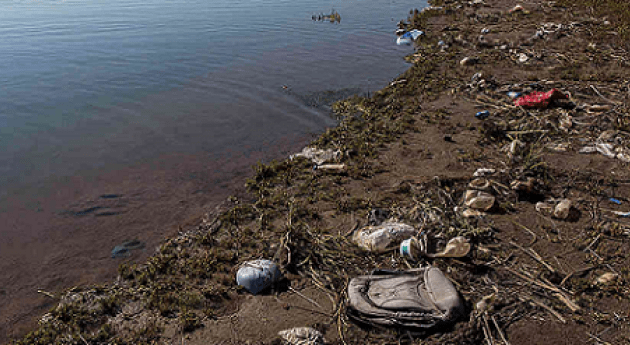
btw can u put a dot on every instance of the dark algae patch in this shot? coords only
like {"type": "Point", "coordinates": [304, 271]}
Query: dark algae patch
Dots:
{"type": "Point", "coordinates": [412, 151]}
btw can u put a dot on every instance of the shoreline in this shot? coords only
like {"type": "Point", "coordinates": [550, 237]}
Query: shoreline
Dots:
{"type": "Point", "coordinates": [411, 149]}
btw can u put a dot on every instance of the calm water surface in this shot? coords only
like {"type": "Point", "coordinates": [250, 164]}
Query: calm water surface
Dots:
{"type": "Point", "coordinates": [162, 103]}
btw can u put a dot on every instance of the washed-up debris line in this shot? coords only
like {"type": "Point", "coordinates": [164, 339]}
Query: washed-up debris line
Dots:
{"type": "Point", "coordinates": [513, 208]}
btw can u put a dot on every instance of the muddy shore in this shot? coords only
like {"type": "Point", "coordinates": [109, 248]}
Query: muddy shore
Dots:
{"type": "Point", "coordinates": [412, 149]}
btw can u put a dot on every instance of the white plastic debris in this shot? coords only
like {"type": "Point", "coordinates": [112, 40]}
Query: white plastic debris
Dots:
{"type": "Point", "coordinates": [605, 149]}
{"type": "Point", "coordinates": [479, 184]}
{"type": "Point", "coordinates": [302, 336]}
{"type": "Point", "coordinates": [478, 200]}
{"type": "Point", "coordinates": [383, 237]}
{"type": "Point", "coordinates": [522, 58]}
{"type": "Point", "coordinates": [318, 156]}
{"type": "Point", "coordinates": [481, 172]}
{"type": "Point", "coordinates": [468, 61]}
{"type": "Point", "coordinates": [606, 278]}
{"type": "Point", "coordinates": [257, 275]}
{"type": "Point", "coordinates": [562, 209]}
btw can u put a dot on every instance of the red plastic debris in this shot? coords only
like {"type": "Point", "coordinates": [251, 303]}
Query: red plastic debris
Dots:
{"type": "Point", "coordinates": [539, 100]}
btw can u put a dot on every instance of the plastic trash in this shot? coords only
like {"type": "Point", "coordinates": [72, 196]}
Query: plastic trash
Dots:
{"type": "Point", "coordinates": [606, 278]}
{"type": "Point", "coordinates": [539, 100]}
{"type": "Point", "coordinates": [478, 200]}
{"type": "Point", "coordinates": [468, 61]}
{"type": "Point", "coordinates": [616, 201]}
{"type": "Point", "coordinates": [302, 336]}
{"type": "Point", "coordinates": [622, 214]}
{"type": "Point", "coordinates": [333, 167]}
{"type": "Point", "coordinates": [479, 184]}
{"type": "Point", "coordinates": [456, 247]}
{"type": "Point", "coordinates": [562, 209]}
{"type": "Point", "coordinates": [318, 156]}
{"type": "Point", "coordinates": [257, 275]}
{"type": "Point", "coordinates": [410, 248]}
{"type": "Point", "coordinates": [408, 37]}
{"type": "Point", "coordinates": [483, 172]}
{"type": "Point", "coordinates": [383, 237]}
{"type": "Point", "coordinates": [402, 40]}
{"type": "Point", "coordinates": [482, 115]}
{"type": "Point", "coordinates": [514, 94]}
{"type": "Point", "coordinates": [421, 298]}
{"type": "Point", "coordinates": [523, 58]}
{"type": "Point", "coordinates": [605, 149]}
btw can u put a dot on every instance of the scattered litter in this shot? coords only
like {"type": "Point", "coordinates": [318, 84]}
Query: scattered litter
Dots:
{"type": "Point", "coordinates": [468, 61]}
{"type": "Point", "coordinates": [408, 37]}
{"type": "Point", "coordinates": [484, 172]}
{"type": "Point", "coordinates": [606, 278]}
{"type": "Point", "coordinates": [485, 31]}
{"type": "Point", "coordinates": [410, 248]}
{"type": "Point", "coordinates": [522, 58]}
{"type": "Point", "coordinates": [622, 214]}
{"type": "Point", "coordinates": [257, 275]}
{"type": "Point", "coordinates": [479, 184]}
{"type": "Point", "coordinates": [337, 167]}
{"type": "Point", "coordinates": [514, 94]}
{"type": "Point", "coordinates": [418, 298]}
{"type": "Point", "coordinates": [518, 8]}
{"type": "Point", "coordinates": [482, 115]}
{"type": "Point", "coordinates": [605, 149]}
{"type": "Point", "coordinates": [539, 100]}
{"type": "Point", "coordinates": [478, 200]}
{"type": "Point", "coordinates": [457, 247]}
{"type": "Point", "coordinates": [383, 237]}
{"type": "Point", "coordinates": [124, 250]}
{"type": "Point", "coordinates": [616, 201]}
{"type": "Point", "coordinates": [302, 336]}
{"type": "Point", "coordinates": [562, 209]}
{"type": "Point", "coordinates": [318, 156]}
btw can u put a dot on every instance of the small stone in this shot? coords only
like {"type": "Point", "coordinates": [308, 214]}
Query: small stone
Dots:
{"type": "Point", "coordinates": [562, 209]}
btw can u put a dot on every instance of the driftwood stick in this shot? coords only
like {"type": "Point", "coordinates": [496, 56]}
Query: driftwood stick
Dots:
{"type": "Point", "coordinates": [306, 298]}
{"type": "Point", "coordinates": [602, 96]}
{"type": "Point", "coordinates": [535, 301]}
{"type": "Point", "coordinates": [534, 237]}
{"type": "Point", "coordinates": [535, 256]}
{"type": "Point", "coordinates": [496, 324]}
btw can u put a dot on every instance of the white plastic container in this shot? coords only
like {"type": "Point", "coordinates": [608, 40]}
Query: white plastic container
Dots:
{"type": "Point", "coordinates": [383, 237]}
{"type": "Point", "coordinates": [257, 275]}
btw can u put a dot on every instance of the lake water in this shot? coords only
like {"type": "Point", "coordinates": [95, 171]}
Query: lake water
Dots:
{"type": "Point", "coordinates": [122, 119]}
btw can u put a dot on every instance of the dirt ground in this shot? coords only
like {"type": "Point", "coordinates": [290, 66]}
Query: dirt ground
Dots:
{"type": "Point", "coordinates": [412, 149]}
